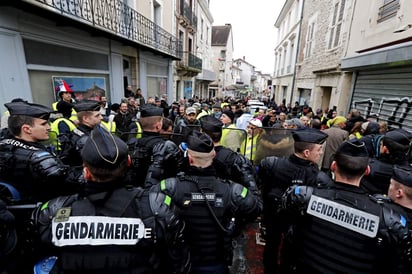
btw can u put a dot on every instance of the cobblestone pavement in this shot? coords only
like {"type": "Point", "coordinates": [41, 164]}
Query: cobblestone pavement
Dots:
{"type": "Point", "coordinates": [248, 252]}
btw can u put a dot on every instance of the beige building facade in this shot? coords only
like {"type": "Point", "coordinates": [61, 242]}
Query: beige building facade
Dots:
{"type": "Point", "coordinates": [380, 58]}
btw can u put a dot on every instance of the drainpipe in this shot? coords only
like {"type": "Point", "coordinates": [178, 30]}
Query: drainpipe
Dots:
{"type": "Point", "coordinates": [297, 53]}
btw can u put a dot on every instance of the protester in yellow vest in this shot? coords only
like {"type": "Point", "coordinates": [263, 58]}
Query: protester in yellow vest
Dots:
{"type": "Point", "coordinates": [231, 135]}
{"type": "Point", "coordinates": [61, 126]}
{"type": "Point", "coordinates": [67, 97]}
{"type": "Point", "coordinates": [248, 147]}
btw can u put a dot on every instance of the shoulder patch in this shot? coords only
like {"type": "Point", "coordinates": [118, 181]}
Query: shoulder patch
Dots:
{"type": "Point", "coordinates": [98, 230]}
{"type": "Point", "coordinates": [350, 218]}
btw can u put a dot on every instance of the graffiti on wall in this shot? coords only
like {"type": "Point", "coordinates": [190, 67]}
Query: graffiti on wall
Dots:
{"type": "Point", "coordinates": [394, 110]}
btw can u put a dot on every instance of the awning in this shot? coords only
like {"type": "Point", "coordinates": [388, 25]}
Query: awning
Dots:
{"type": "Point", "coordinates": [234, 87]}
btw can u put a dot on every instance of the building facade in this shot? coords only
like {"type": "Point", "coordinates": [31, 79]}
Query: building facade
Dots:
{"type": "Point", "coordinates": [288, 25]}
{"type": "Point", "coordinates": [222, 48]}
{"type": "Point", "coordinates": [186, 69]}
{"type": "Point", "coordinates": [204, 50]}
{"type": "Point", "coordinates": [98, 45]}
{"type": "Point", "coordinates": [380, 59]}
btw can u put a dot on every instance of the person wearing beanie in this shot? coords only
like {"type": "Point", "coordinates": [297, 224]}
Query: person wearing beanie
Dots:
{"type": "Point", "coordinates": [209, 206]}
{"type": "Point", "coordinates": [231, 135]}
{"type": "Point", "coordinates": [337, 135]}
{"type": "Point", "coordinates": [343, 220]}
{"type": "Point", "coordinates": [122, 227]}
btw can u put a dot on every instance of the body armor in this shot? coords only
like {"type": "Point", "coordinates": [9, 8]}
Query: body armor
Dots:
{"type": "Point", "coordinates": [366, 234]}
{"type": "Point", "coordinates": [129, 230]}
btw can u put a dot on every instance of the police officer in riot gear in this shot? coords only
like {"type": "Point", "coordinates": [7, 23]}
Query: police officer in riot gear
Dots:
{"type": "Point", "coordinates": [276, 175]}
{"type": "Point", "coordinates": [342, 228]}
{"type": "Point", "coordinates": [25, 163]}
{"type": "Point", "coordinates": [228, 164]}
{"type": "Point", "coordinates": [400, 189]}
{"type": "Point", "coordinates": [88, 114]}
{"type": "Point", "coordinates": [393, 148]}
{"type": "Point", "coordinates": [29, 173]}
{"type": "Point", "coordinates": [111, 227]}
{"type": "Point", "coordinates": [209, 206]}
{"type": "Point", "coordinates": [141, 149]}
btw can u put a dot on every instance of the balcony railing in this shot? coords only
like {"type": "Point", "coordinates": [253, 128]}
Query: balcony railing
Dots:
{"type": "Point", "coordinates": [190, 61]}
{"type": "Point", "coordinates": [186, 11]}
{"type": "Point", "coordinates": [115, 17]}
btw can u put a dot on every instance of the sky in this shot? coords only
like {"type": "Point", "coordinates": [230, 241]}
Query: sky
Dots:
{"type": "Point", "coordinates": [253, 28]}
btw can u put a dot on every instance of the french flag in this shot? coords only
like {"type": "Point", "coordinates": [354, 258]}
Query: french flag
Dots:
{"type": "Point", "coordinates": [64, 86]}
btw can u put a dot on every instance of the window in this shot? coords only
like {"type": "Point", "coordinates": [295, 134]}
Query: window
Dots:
{"type": "Point", "coordinates": [309, 39]}
{"type": "Point", "coordinates": [388, 10]}
{"type": "Point", "coordinates": [336, 24]}
{"type": "Point", "coordinates": [201, 29]}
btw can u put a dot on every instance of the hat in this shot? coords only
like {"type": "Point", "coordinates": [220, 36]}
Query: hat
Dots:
{"type": "Point", "coordinates": [197, 105]}
{"type": "Point", "coordinates": [210, 123]}
{"type": "Point", "coordinates": [18, 100]}
{"type": "Point", "coordinates": [309, 135]}
{"type": "Point", "coordinates": [337, 120]}
{"type": "Point", "coordinates": [297, 122]}
{"type": "Point", "coordinates": [402, 174]}
{"type": "Point", "coordinates": [353, 148]}
{"type": "Point", "coordinates": [200, 142]}
{"type": "Point", "coordinates": [400, 136]}
{"type": "Point", "coordinates": [64, 108]}
{"type": "Point", "coordinates": [255, 122]}
{"type": "Point", "coordinates": [149, 110]}
{"type": "Point", "coordinates": [104, 150]}
{"type": "Point", "coordinates": [115, 107]}
{"type": "Point", "coordinates": [87, 105]}
{"type": "Point", "coordinates": [229, 114]}
{"type": "Point", "coordinates": [217, 106]}
{"type": "Point", "coordinates": [29, 109]}
{"type": "Point", "coordinates": [365, 125]}
{"type": "Point", "coordinates": [190, 110]}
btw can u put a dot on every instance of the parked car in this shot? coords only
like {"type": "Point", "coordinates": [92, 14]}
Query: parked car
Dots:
{"type": "Point", "coordinates": [254, 104]}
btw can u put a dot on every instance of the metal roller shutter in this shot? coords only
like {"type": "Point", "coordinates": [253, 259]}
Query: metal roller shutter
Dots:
{"type": "Point", "coordinates": [387, 93]}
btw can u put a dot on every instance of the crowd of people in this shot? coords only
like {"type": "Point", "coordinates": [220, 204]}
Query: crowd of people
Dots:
{"type": "Point", "coordinates": [144, 186]}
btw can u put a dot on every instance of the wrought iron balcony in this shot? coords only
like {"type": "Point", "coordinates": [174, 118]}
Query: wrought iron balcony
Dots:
{"type": "Point", "coordinates": [190, 65]}
{"type": "Point", "coordinates": [115, 18]}
{"type": "Point", "coordinates": [187, 13]}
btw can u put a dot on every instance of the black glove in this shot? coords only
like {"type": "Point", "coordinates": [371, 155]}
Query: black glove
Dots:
{"type": "Point", "coordinates": [244, 168]}
{"type": "Point", "coordinates": [165, 152]}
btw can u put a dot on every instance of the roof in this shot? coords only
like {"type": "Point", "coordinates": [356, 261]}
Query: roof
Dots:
{"type": "Point", "coordinates": [220, 35]}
